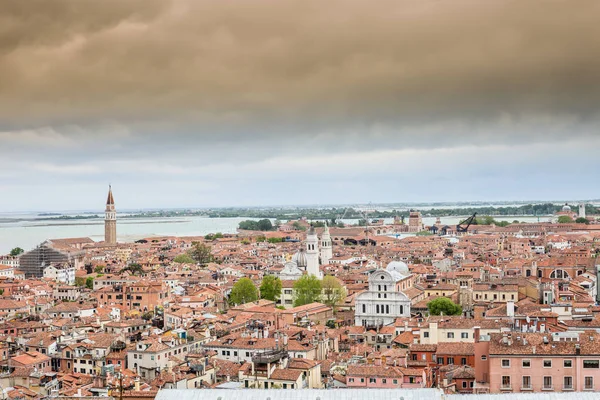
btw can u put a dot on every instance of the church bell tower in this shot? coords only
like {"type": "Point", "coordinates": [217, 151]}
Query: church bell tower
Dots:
{"type": "Point", "coordinates": [110, 220]}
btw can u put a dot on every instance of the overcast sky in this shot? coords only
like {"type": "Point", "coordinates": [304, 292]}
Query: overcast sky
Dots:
{"type": "Point", "coordinates": [187, 103]}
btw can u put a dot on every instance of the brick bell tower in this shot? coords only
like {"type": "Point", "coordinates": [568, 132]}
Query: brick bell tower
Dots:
{"type": "Point", "coordinates": [110, 220]}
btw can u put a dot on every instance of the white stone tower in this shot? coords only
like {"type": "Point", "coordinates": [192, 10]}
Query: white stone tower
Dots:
{"type": "Point", "coordinates": [582, 210]}
{"type": "Point", "coordinates": [312, 253]}
{"type": "Point", "coordinates": [326, 249]}
{"type": "Point", "coordinates": [110, 220]}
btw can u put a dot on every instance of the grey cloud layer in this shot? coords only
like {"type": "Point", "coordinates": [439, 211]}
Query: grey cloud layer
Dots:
{"type": "Point", "coordinates": [89, 88]}
{"type": "Point", "coordinates": [302, 62]}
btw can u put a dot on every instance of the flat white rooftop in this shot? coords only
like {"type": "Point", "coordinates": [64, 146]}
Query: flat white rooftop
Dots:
{"type": "Point", "coordinates": [356, 394]}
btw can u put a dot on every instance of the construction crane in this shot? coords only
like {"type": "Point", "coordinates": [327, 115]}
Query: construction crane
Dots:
{"type": "Point", "coordinates": [464, 229]}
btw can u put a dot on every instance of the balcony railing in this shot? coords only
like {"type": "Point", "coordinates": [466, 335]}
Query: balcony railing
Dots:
{"type": "Point", "coordinates": [269, 356]}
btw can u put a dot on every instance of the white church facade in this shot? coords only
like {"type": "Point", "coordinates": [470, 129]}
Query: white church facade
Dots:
{"type": "Point", "coordinates": [314, 253]}
{"type": "Point", "coordinates": [384, 301]}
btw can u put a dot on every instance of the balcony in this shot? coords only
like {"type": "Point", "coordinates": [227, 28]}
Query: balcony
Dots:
{"type": "Point", "coordinates": [506, 387]}
{"type": "Point", "coordinates": [269, 356]}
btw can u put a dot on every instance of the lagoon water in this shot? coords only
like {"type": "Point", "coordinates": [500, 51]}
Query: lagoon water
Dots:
{"type": "Point", "coordinates": [29, 233]}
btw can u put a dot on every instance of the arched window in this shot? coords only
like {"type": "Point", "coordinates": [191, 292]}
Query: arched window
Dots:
{"type": "Point", "coordinates": [539, 273]}
{"type": "Point", "coordinates": [364, 308]}
{"type": "Point", "coordinates": [559, 274]}
{"type": "Point", "coordinates": [401, 309]}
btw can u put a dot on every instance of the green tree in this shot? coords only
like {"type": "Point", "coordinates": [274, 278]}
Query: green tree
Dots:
{"type": "Point", "coordinates": [582, 220]}
{"type": "Point", "coordinates": [134, 268]}
{"type": "Point", "coordinates": [261, 238]}
{"type": "Point", "coordinates": [274, 240]}
{"type": "Point", "coordinates": [248, 225]}
{"type": "Point", "coordinates": [16, 251]}
{"type": "Point", "coordinates": [307, 290]}
{"type": "Point", "coordinates": [270, 288]}
{"type": "Point", "coordinates": [201, 253]}
{"type": "Point", "coordinates": [298, 226]}
{"type": "Point", "coordinates": [424, 233]}
{"type": "Point", "coordinates": [443, 305]}
{"type": "Point", "coordinates": [213, 236]}
{"type": "Point", "coordinates": [265, 225]}
{"type": "Point", "coordinates": [79, 281]}
{"type": "Point", "coordinates": [89, 282]}
{"type": "Point", "coordinates": [184, 259]}
{"type": "Point", "coordinates": [333, 293]}
{"type": "Point", "coordinates": [565, 219]}
{"type": "Point", "coordinates": [99, 269]}
{"type": "Point", "coordinates": [243, 291]}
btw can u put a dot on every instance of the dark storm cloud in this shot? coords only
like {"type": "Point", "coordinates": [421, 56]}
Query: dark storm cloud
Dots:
{"type": "Point", "coordinates": [90, 89]}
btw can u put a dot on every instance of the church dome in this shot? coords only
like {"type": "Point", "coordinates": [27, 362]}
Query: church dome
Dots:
{"type": "Point", "coordinates": [300, 258]}
{"type": "Point", "coordinates": [398, 266]}
{"type": "Point", "coordinates": [566, 208]}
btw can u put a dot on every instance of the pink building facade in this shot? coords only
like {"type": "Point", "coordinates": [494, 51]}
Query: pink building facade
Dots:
{"type": "Point", "coordinates": [536, 362]}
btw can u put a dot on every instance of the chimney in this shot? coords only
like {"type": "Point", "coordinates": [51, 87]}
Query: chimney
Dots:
{"type": "Point", "coordinates": [136, 384]}
{"type": "Point", "coordinates": [533, 349]}
{"type": "Point", "coordinates": [510, 309]}
{"type": "Point", "coordinates": [476, 333]}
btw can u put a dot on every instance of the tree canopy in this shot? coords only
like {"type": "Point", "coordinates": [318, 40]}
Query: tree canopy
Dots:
{"type": "Point", "coordinates": [565, 219]}
{"type": "Point", "coordinates": [582, 220]}
{"type": "Point", "coordinates": [307, 290]}
{"type": "Point", "coordinates": [261, 225]}
{"type": "Point", "coordinates": [270, 288]}
{"type": "Point", "coordinates": [333, 293]}
{"type": "Point", "coordinates": [184, 259]}
{"type": "Point", "coordinates": [134, 268]}
{"type": "Point", "coordinates": [89, 282]}
{"type": "Point", "coordinates": [443, 305]}
{"type": "Point", "coordinates": [201, 253]}
{"type": "Point", "coordinates": [243, 291]}
{"type": "Point", "coordinates": [213, 236]}
{"type": "Point", "coordinates": [16, 251]}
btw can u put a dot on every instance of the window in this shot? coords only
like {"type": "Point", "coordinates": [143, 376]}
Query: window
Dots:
{"type": "Point", "coordinates": [506, 382]}
{"type": "Point", "coordinates": [483, 358]}
{"type": "Point", "coordinates": [364, 308]}
{"type": "Point", "coordinates": [547, 383]}
{"type": "Point", "coordinates": [568, 363]}
{"type": "Point", "coordinates": [450, 335]}
{"type": "Point", "coordinates": [547, 363]}
{"type": "Point", "coordinates": [505, 363]}
{"type": "Point", "coordinates": [591, 364]}
{"type": "Point", "coordinates": [464, 384]}
{"type": "Point", "coordinates": [395, 381]}
{"type": "Point", "coordinates": [588, 383]}
{"type": "Point", "coordinates": [526, 382]}
{"type": "Point", "coordinates": [383, 380]}
{"type": "Point", "coordinates": [362, 380]}
{"type": "Point", "coordinates": [350, 380]}
{"type": "Point", "coordinates": [450, 360]}
{"type": "Point", "coordinates": [425, 334]}
{"type": "Point", "coordinates": [464, 335]}
{"type": "Point", "coordinates": [372, 380]}
{"type": "Point", "coordinates": [463, 361]}
{"type": "Point", "coordinates": [526, 363]}
{"type": "Point", "coordinates": [568, 382]}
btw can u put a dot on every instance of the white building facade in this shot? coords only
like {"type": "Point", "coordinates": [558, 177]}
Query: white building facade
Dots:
{"type": "Point", "coordinates": [384, 301]}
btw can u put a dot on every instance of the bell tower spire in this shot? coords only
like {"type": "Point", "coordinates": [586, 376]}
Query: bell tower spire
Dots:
{"type": "Point", "coordinates": [110, 219]}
